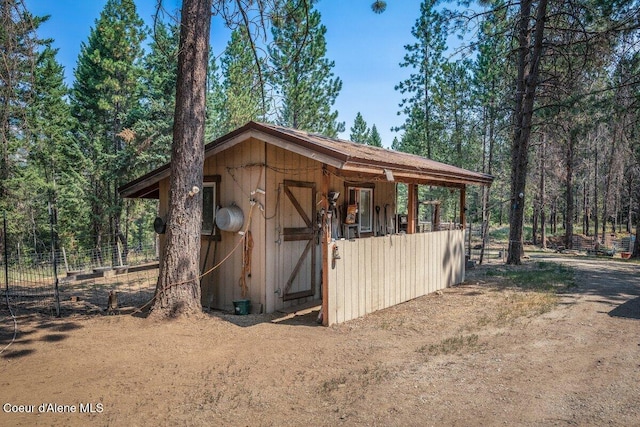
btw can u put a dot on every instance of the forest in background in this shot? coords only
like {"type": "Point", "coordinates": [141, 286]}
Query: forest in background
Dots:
{"type": "Point", "coordinates": [70, 148]}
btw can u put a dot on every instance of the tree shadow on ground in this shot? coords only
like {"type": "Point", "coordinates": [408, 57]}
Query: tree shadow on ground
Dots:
{"type": "Point", "coordinates": [240, 320]}
{"type": "Point", "coordinates": [19, 334]}
{"type": "Point", "coordinates": [611, 283]}
{"type": "Point", "coordinates": [15, 354]}
{"type": "Point", "coordinates": [291, 319]}
{"type": "Point", "coordinates": [308, 319]}
{"type": "Point", "coordinates": [614, 282]}
{"type": "Point", "coordinates": [627, 310]}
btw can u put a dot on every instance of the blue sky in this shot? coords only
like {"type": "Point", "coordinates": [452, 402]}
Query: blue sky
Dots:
{"type": "Point", "coordinates": [367, 48]}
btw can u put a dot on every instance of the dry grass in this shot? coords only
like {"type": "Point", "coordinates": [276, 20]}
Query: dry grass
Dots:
{"type": "Point", "coordinates": [528, 290]}
{"type": "Point", "coordinates": [451, 345]}
{"type": "Point", "coordinates": [535, 276]}
{"type": "Point", "coordinates": [424, 362]}
{"type": "Point", "coordinates": [517, 305]}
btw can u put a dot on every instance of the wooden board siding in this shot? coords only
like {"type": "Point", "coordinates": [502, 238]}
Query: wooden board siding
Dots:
{"type": "Point", "coordinates": [281, 258]}
{"type": "Point", "coordinates": [375, 272]}
{"type": "Point", "coordinates": [241, 172]}
{"type": "Point", "coordinates": [380, 272]}
{"type": "Point", "coordinates": [285, 165]}
{"type": "Point", "coordinates": [242, 168]}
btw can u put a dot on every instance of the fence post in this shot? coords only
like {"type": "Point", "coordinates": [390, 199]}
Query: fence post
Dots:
{"type": "Point", "coordinates": [54, 245]}
{"type": "Point", "coordinates": [6, 255]}
{"type": "Point", "coordinates": [119, 254]}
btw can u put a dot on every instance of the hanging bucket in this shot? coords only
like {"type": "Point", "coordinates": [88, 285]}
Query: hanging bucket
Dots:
{"type": "Point", "coordinates": [230, 218]}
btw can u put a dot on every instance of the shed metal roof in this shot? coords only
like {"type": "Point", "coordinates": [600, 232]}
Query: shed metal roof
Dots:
{"type": "Point", "coordinates": [345, 157]}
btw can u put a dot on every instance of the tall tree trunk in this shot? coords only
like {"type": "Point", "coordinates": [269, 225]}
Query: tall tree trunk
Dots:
{"type": "Point", "coordinates": [178, 289]}
{"type": "Point", "coordinates": [630, 211]}
{"type": "Point", "coordinates": [569, 196]}
{"type": "Point", "coordinates": [595, 193]}
{"type": "Point", "coordinates": [614, 213]}
{"type": "Point", "coordinates": [586, 209]}
{"type": "Point", "coordinates": [543, 159]}
{"type": "Point", "coordinates": [115, 214]}
{"type": "Point", "coordinates": [607, 187]}
{"type": "Point", "coordinates": [536, 200]}
{"type": "Point", "coordinates": [97, 217]}
{"type": "Point", "coordinates": [576, 206]}
{"type": "Point", "coordinates": [427, 104]}
{"type": "Point", "coordinates": [636, 245]}
{"type": "Point", "coordinates": [618, 216]}
{"type": "Point", "coordinates": [487, 168]}
{"type": "Point", "coordinates": [529, 57]}
{"type": "Point", "coordinates": [457, 132]}
{"type": "Point", "coordinates": [554, 216]}
{"type": "Point", "coordinates": [534, 221]}
{"type": "Point", "coordinates": [485, 204]}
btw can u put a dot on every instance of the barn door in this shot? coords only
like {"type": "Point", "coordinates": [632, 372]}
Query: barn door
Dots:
{"type": "Point", "coordinates": [299, 240]}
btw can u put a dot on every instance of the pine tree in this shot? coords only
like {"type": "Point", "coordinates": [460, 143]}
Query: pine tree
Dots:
{"type": "Point", "coordinates": [301, 72]}
{"type": "Point", "coordinates": [243, 85]}
{"type": "Point", "coordinates": [178, 287]}
{"type": "Point", "coordinates": [425, 58]}
{"type": "Point", "coordinates": [55, 157]}
{"type": "Point", "coordinates": [452, 97]}
{"type": "Point", "coordinates": [582, 35]}
{"type": "Point", "coordinates": [415, 131]}
{"type": "Point", "coordinates": [395, 144]}
{"type": "Point", "coordinates": [154, 121]}
{"type": "Point", "coordinates": [359, 130]}
{"type": "Point", "coordinates": [178, 290]}
{"type": "Point", "coordinates": [374, 137]}
{"type": "Point", "coordinates": [490, 82]}
{"type": "Point", "coordinates": [104, 98]}
{"type": "Point", "coordinates": [215, 125]}
{"type": "Point", "coordinates": [149, 142]}
{"type": "Point", "coordinates": [19, 46]}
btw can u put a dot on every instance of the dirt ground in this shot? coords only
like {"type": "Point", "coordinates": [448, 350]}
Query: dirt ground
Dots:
{"type": "Point", "coordinates": [482, 353]}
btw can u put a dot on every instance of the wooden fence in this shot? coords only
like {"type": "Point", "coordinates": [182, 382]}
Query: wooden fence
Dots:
{"type": "Point", "coordinates": [379, 272]}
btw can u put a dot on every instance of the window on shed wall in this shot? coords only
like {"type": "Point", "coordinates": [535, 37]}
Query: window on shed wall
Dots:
{"type": "Point", "coordinates": [209, 204]}
{"type": "Point", "coordinates": [363, 198]}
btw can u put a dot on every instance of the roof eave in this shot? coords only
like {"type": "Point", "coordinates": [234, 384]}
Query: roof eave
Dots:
{"type": "Point", "coordinates": [147, 185]}
{"type": "Point", "coordinates": [144, 186]}
{"type": "Point", "coordinates": [417, 175]}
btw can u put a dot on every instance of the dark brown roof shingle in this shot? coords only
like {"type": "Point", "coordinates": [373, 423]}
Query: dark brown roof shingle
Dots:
{"type": "Point", "coordinates": [346, 155]}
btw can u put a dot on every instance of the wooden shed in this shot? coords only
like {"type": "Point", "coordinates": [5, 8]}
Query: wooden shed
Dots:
{"type": "Point", "coordinates": [320, 220]}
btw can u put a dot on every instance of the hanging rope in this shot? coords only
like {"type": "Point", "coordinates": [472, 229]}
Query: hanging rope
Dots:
{"type": "Point", "coordinates": [246, 264]}
{"type": "Point", "coordinates": [243, 239]}
{"type": "Point", "coordinates": [215, 267]}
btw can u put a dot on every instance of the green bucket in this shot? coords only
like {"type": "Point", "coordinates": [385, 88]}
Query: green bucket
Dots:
{"type": "Point", "coordinates": [242, 306]}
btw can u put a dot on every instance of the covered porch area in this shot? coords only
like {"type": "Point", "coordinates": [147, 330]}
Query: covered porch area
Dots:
{"type": "Point", "coordinates": [418, 253]}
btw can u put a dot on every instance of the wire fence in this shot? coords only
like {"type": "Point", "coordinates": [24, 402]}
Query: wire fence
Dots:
{"type": "Point", "coordinates": [612, 245]}
{"type": "Point", "coordinates": [64, 281]}
{"type": "Point", "coordinates": [86, 259]}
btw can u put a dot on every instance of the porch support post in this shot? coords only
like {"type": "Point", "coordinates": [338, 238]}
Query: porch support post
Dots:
{"type": "Point", "coordinates": [412, 208]}
{"type": "Point", "coordinates": [463, 199]}
{"type": "Point", "coordinates": [325, 234]}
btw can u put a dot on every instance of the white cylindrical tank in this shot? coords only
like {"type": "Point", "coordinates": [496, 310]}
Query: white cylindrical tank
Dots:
{"type": "Point", "coordinates": [230, 218]}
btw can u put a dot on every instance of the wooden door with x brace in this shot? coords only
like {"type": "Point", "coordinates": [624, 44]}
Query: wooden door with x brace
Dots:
{"type": "Point", "coordinates": [299, 246]}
